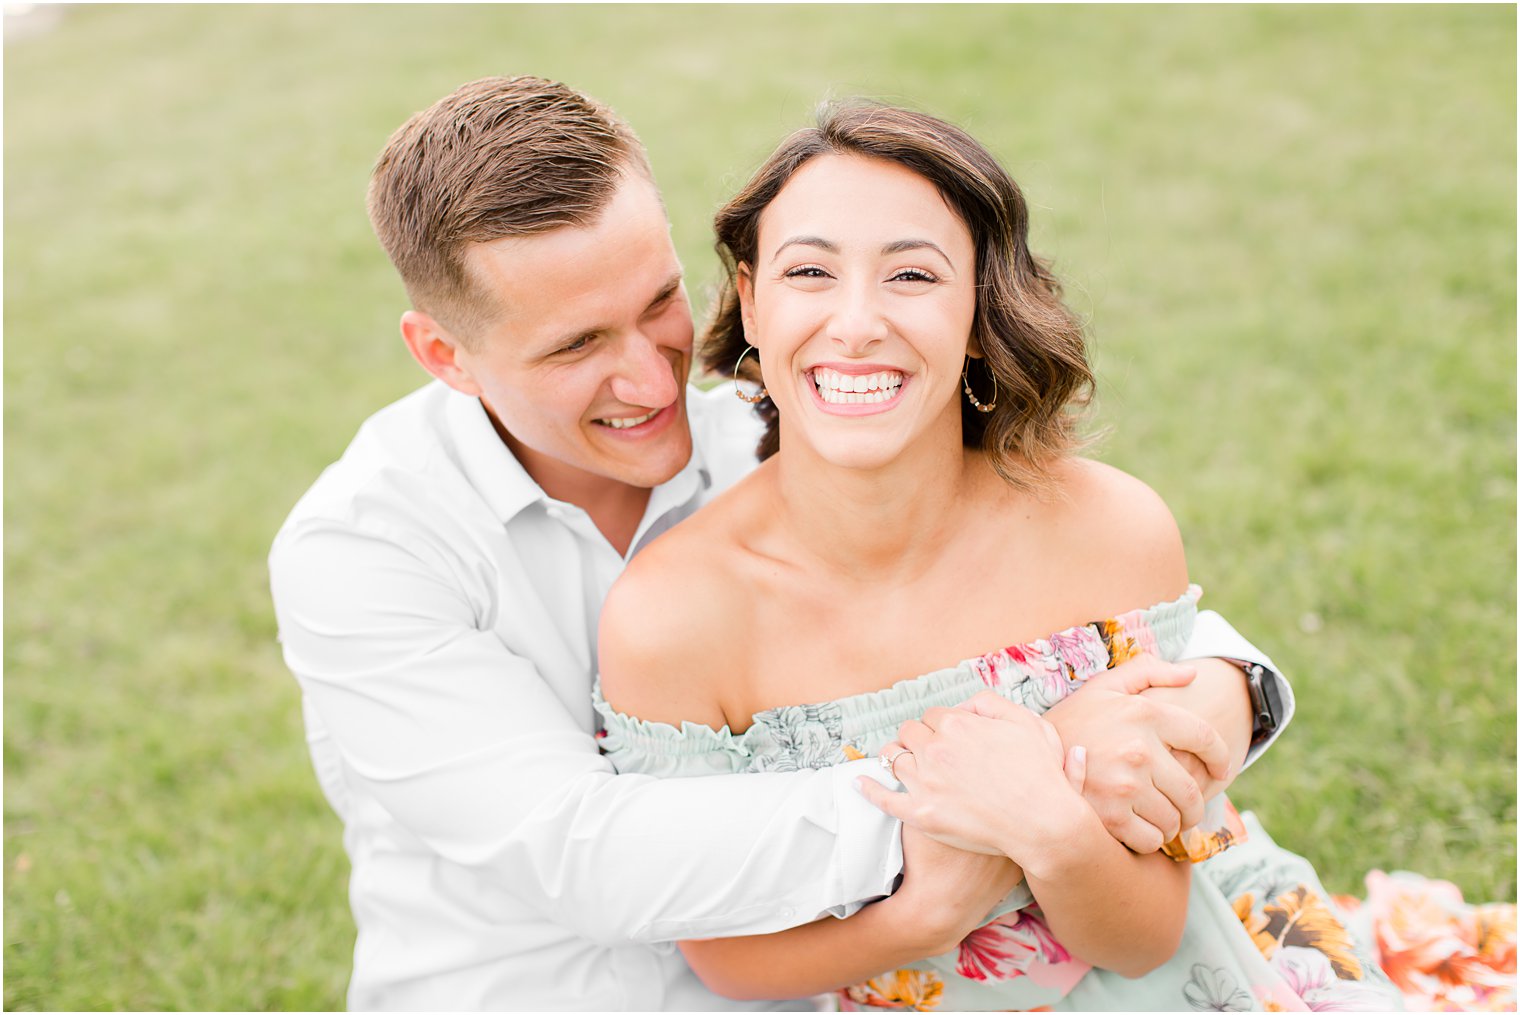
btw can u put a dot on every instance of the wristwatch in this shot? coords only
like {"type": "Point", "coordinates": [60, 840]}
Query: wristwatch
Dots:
{"type": "Point", "coordinates": [1266, 700]}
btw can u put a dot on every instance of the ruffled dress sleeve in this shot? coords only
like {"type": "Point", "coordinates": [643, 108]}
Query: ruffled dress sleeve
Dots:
{"type": "Point", "coordinates": [662, 750]}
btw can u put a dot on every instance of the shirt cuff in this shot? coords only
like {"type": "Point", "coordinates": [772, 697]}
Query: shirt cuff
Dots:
{"type": "Point", "coordinates": [868, 846]}
{"type": "Point", "coordinates": [1214, 638]}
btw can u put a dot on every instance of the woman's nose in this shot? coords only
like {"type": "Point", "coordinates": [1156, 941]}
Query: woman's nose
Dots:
{"type": "Point", "coordinates": [856, 324]}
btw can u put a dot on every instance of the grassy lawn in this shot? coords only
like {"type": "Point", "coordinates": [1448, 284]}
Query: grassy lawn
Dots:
{"type": "Point", "coordinates": [1292, 230]}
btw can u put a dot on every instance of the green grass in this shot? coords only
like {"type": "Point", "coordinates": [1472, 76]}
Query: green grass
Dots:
{"type": "Point", "coordinates": [1292, 230]}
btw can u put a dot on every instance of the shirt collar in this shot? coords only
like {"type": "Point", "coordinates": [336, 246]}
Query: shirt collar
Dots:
{"type": "Point", "coordinates": [500, 478]}
{"type": "Point", "coordinates": [487, 462]}
{"type": "Point", "coordinates": [682, 490]}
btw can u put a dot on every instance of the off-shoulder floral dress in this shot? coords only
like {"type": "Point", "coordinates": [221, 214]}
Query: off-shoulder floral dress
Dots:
{"type": "Point", "coordinates": [1261, 932]}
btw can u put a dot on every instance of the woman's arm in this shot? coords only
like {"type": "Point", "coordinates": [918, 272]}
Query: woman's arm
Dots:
{"type": "Point", "coordinates": [1109, 907]}
{"type": "Point", "coordinates": [1106, 905]}
{"type": "Point", "coordinates": [946, 894]}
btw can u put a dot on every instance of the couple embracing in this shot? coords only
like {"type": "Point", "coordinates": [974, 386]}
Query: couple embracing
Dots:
{"type": "Point", "coordinates": [896, 717]}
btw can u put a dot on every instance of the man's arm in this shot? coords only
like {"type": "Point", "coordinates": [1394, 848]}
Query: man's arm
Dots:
{"type": "Point", "coordinates": [467, 746]}
{"type": "Point", "coordinates": [946, 894]}
{"type": "Point", "coordinates": [1213, 639]}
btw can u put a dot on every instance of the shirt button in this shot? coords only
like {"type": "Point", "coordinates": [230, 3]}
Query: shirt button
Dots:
{"type": "Point", "coordinates": [555, 512]}
{"type": "Point", "coordinates": [788, 912]}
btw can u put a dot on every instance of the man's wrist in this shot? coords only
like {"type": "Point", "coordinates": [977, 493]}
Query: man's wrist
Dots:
{"type": "Point", "coordinates": [919, 926]}
{"type": "Point", "coordinates": [1266, 705]}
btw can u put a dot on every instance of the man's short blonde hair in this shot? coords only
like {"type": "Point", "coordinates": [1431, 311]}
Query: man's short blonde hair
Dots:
{"type": "Point", "coordinates": [505, 156]}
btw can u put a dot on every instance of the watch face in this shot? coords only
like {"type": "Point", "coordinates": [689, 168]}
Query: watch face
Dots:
{"type": "Point", "coordinates": [1273, 695]}
{"type": "Point", "coordinates": [1266, 698]}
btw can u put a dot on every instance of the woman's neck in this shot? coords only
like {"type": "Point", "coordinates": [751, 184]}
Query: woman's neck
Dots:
{"type": "Point", "coordinates": [891, 522]}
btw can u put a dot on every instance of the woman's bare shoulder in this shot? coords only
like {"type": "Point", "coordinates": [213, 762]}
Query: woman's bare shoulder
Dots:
{"type": "Point", "coordinates": [1129, 503]}
{"type": "Point", "coordinates": [1123, 528]}
{"type": "Point", "coordinates": [672, 618]}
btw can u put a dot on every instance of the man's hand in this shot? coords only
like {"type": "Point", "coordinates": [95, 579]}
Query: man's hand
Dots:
{"type": "Point", "coordinates": [1136, 779]}
{"type": "Point", "coordinates": [946, 892]}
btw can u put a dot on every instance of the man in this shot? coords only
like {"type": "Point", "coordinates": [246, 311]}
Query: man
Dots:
{"type": "Point", "coordinates": [438, 588]}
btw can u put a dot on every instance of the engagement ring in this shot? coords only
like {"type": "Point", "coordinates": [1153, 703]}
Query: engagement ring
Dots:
{"type": "Point", "coordinates": [889, 760]}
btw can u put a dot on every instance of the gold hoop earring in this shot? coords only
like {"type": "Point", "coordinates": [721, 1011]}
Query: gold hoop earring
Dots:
{"type": "Point", "coordinates": [970, 397]}
{"type": "Point", "coordinates": [751, 399]}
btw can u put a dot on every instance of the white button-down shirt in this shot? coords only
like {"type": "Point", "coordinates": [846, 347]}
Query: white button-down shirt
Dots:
{"type": "Point", "coordinates": [440, 612]}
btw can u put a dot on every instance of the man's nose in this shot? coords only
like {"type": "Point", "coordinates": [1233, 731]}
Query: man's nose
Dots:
{"type": "Point", "coordinates": [645, 375]}
{"type": "Point", "coordinates": [856, 324]}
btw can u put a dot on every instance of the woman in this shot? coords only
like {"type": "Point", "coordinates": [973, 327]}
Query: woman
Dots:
{"type": "Point", "coordinates": [918, 371]}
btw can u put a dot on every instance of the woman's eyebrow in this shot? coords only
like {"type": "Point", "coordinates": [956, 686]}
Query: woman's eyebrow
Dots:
{"type": "Point", "coordinates": [807, 241]}
{"type": "Point", "coordinates": [899, 246]}
{"type": "Point", "coordinates": [895, 247]}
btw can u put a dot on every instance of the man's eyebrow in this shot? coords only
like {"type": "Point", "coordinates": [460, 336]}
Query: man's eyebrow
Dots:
{"type": "Point", "coordinates": [666, 292]}
{"type": "Point", "coordinates": [900, 246]}
{"type": "Point", "coordinates": [565, 341]}
{"type": "Point", "coordinates": [807, 241]}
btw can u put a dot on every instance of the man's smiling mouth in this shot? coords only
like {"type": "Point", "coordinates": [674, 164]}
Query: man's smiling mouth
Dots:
{"type": "Point", "coordinates": [627, 421]}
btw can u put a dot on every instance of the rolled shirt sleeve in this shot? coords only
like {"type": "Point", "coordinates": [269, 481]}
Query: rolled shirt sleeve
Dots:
{"type": "Point", "coordinates": [1213, 637]}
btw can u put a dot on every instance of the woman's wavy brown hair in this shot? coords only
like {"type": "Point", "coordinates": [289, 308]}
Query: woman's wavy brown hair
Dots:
{"type": "Point", "coordinates": [1031, 343]}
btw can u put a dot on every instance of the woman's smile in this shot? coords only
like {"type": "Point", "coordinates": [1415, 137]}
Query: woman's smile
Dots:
{"type": "Point", "coordinates": [854, 390]}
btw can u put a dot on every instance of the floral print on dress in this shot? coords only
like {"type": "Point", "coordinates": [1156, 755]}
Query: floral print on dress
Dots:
{"type": "Point", "coordinates": [1045, 671]}
{"type": "Point", "coordinates": [1300, 919]}
{"type": "Point", "coordinates": [798, 737]}
{"type": "Point", "coordinates": [1443, 953]}
{"type": "Point", "coordinates": [1311, 950]}
{"type": "Point", "coordinates": [1213, 989]}
{"type": "Point", "coordinates": [1018, 665]}
{"type": "Point", "coordinates": [1081, 651]}
{"type": "Point", "coordinates": [1220, 829]}
{"type": "Point", "coordinates": [910, 989]}
{"type": "Point", "coordinates": [1312, 976]}
{"type": "Point", "coordinates": [1019, 944]}
{"type": "Point", "coordinates": [1125, 641]}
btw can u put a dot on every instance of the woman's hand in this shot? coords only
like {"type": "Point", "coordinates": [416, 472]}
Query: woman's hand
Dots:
{"type": "Point", "coordinates": [947, 893]}
{"type": "Point", "coordinates": [990, 776]}
{"type": "Point", "coordinates": [989, 779]}
{"type": "Point", "coordinates": [1139, 750]}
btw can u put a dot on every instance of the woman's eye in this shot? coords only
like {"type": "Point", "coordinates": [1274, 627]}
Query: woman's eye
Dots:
{"type": "Point", "coordinates": [806, 271]}
{"type": "Point", "coordinates": [578, 344]}
{"type": "Point", "coordinates": [913, 275]}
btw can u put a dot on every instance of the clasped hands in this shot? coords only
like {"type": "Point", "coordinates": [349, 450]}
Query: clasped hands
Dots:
{"type": "Point", "coordinates": [975, 773]}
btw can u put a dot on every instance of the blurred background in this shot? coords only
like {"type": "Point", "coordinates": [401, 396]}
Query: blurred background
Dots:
{"type": "Point", "coordinates": [1291, 230]}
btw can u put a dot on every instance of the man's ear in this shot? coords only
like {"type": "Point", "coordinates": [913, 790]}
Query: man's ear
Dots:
{"type": "Point", "coordinates": [438, 351]}
{"type": "Point", "coordinates": [745, 283]}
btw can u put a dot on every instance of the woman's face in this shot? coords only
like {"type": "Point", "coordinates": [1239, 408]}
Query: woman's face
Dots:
{"type": "Point", "coordinates": [860, 302]}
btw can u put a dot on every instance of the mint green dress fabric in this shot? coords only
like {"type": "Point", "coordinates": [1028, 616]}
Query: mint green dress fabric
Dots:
{"type": "Point", "coordinates": [1261, 934]}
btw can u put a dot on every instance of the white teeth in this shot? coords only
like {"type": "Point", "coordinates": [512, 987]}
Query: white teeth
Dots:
{"type": "Point", "coordinates": [623, 424]}
{"type": "Point", "coordinates": [856, 389]}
